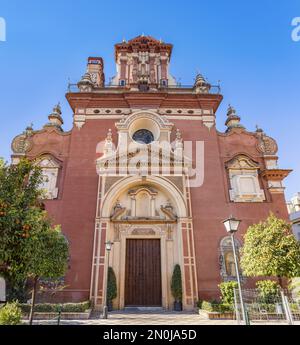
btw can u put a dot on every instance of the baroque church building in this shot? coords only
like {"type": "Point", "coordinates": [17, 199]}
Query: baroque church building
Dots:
{"type": "Point", "coordinates": [144, 167]}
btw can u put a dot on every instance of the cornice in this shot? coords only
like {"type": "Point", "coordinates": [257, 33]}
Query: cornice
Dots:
{"type": "Point", "coordinates": [275, 174]}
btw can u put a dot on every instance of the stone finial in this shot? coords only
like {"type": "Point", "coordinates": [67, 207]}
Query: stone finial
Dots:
{"type": "Point", "coordinates": [55, 118]}
{"type": "Point", "coordinates": [233, 120]}
{"type": "Point", "coordinates": [178, 144]}
{"type": "Point", "coordinates": [85, 84]}
{"type": "Point", "coordinates": [201, 85]}
{"type": "Point", "coordinates": [108, 146]}
{"type": "Point", "coordinates": [29, 130]}
{"type": "Point", "coordinates": [259, 130]}
{"type": "Point", "coordinates": [178, 135]}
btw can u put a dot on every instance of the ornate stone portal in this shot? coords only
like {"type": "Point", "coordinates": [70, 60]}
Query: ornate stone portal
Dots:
{"type": "Point", "coordinates": [135, 208]}
{"type": "Point", "coordinates": [143, 206]}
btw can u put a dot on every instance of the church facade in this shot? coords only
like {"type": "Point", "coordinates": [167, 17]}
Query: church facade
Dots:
{"type": "Point", "coordinates": [145, 168]}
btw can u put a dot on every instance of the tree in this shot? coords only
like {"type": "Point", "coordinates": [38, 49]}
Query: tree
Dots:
{"type": "Point", "coordinates": [20, 217]}
{"type": "Point", "coordinates": [227, 292]}
{"type": "Point", "coordinates": [176, 286]}
{"type": "Point", "coordinates": [48, 260]}
{"type": "Point", "coordinates": [30, 247]}
{"type": "Point", "coordinates": [270, 249]}
{"type": "Point", "coordinates": [268, 290]}
{"type": "Point", "coordinates": [111, 285]}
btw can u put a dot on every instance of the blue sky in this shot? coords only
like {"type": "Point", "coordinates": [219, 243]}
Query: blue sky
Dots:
{"type": "Point", "coordinates": [246, 45]}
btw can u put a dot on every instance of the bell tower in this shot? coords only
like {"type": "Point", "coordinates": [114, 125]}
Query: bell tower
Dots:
{"type": "Point", "coordinates": [143, 64]}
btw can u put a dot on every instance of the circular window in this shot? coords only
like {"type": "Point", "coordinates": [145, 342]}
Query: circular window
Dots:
{"type": "Point", "coordinates": [143, 136]}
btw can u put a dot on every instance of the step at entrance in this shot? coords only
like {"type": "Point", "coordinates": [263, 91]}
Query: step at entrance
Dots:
{"type": "Point", "coordinates": [143, 310]}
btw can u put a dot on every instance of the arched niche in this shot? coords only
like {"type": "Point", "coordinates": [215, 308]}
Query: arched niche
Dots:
{"type": "Point", "coordinates": [126, 184]}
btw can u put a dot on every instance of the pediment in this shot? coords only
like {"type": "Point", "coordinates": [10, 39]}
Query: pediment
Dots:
{"type": "Point", "coordinates": [242, 162]}
{"type": "Point", "coordinates": [143, 156]}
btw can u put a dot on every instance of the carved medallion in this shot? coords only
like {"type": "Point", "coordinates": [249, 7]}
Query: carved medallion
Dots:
{"type": "Point", "coordinates": [21, 144]}
{"type": "Point", "coordinates": [267, 145]}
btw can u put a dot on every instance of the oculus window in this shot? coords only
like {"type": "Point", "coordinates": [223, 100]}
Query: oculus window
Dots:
{"type": "Point", "coordinates": [143, 136]}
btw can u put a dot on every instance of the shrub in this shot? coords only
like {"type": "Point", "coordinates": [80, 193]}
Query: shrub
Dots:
{"type": "Point", "coordinates": [176, 284]}
{"type": "Point", "coordinates": [207, 306]}
{"type": "Point", "coordinates": [268, 291]}
{"type": "Point", "coordinates": [55, 308]}
{"type": "Point", "coordinates": [227, 292]}
{"type": "Point", "coordinates": [215, 306]}
{"type": "Point", "coordinates": [111, 285]}
{"type": "Point", "coordinates": [199, 304]}
{"type": "Point", "coordinates": [10, 314]}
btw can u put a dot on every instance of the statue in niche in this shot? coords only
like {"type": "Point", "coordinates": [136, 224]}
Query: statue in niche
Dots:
{"type": "Point", "coordinates": [230, 265]}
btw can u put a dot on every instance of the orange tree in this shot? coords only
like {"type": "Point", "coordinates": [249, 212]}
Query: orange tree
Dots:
{"type": "Point", "coordinates": [48, 259]}
{"type": "Point", "coordinates": [270, 249]}
{"type": "Point", "coordinates": [23, 223]}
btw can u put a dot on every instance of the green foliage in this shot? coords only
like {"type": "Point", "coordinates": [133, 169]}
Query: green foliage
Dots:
{"type": "Point", "coordinates": [268, 291]}
{"type": "Point", "coordinates": [111, 285]}
{"type": "Point", "coordinates": [207, 306]}
{"type": "Point", "coordinates": [199, 304]}
{"type": "Point", "coordinates": [49, 254]}
{"type": "Point", "coordinates": [256, 307]}
{"type": "Point", "coordinates": [295, 286]}
{"type": "Point", "coordinates": [270, 249]}
{"type": "Point", "coordinates": [29, 245]}
{"type": "Point", "coordinates": [215, 306]}
{"type": "Point", "coordinates": [10, 314]}
{"type": "Point", "coordinates": [227, 292]}
{"type": "Point", "coordinates": [21, 216]}
{"type": "Point", "coordinates": [55, 308]}
{"type": "Point", "coordinates": [176, 284]}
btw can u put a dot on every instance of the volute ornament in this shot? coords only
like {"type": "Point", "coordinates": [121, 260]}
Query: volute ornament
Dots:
{"type": "Point", "coordinates": [267, 145]}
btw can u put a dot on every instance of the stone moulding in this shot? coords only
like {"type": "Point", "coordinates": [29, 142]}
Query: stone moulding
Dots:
{"type": "Point", "coordinates": [275, 174]}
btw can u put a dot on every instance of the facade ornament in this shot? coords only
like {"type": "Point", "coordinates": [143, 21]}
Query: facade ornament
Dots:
{"type": "Point", "coordinates": [201, 85]}
{"type": "Point", "coordinates": [233, 120]}
{"type": "Point", "coordinates": [178, 144]}
{"type": "Point", "coordinates": [266, 144]}
{"type": "Point", "coordinates": [85, 84]}
{"type": "Point", "coordinates": [55, 118]}
{"type": "Point", "coordinates": [21, 144]}
{"type": "Point", "coordinates": [108, 146]}
{"type": "Point", "coordinates": [168, 209]}
{"type": "Point", "coordinates": [148, 59]}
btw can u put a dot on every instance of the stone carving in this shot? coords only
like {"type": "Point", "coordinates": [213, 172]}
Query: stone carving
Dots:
{"type": "Point", "coordinates": [169, 210]}
{"type": "Point", "coordinates": [267, 145]}
{"type": "Point", "coordinates": [22, 143]}
{"type": "Point", "coordinates": [143, 231]}
{"type": "Point", "coordinates": [162, 121]}
{"type": "Point", "coordinates": [117, 210]}
{"type": "Point", "coordinates": [242, 162]}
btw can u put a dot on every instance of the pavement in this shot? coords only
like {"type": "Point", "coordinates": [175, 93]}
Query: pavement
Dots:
{"type": "Point", "coordinates": [161, 318]}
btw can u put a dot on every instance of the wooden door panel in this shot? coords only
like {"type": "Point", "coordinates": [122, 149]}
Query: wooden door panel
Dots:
{"type": "Point", "coordinates": [143, 272]}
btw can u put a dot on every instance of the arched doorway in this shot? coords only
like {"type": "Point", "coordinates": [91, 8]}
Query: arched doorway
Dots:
{"type": "Point", "coordinates": [146, 218]}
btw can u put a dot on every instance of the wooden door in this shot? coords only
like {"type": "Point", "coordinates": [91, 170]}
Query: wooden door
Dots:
{"type": "Point", "coordinates": [143, 273]}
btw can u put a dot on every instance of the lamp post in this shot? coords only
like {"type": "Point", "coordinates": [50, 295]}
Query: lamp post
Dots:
{"type": "Point", "coordinates": [231, 225]}
{"type": "Point", "coordinates": [108, 247]}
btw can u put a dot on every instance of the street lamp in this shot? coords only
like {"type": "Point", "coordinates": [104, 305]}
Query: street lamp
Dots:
{"type": "Point", "coordinates": [108, 247]}
{"type": "Point", "coordinates": [231, 225]}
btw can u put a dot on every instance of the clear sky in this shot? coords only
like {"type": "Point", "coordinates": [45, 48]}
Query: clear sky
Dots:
{"type": "Point", "coordinates": [247, 45]}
